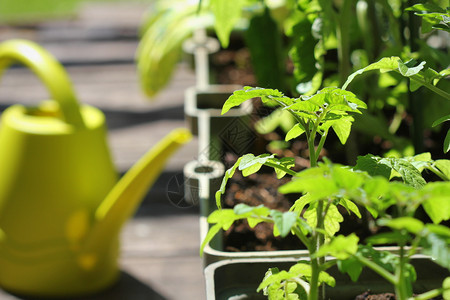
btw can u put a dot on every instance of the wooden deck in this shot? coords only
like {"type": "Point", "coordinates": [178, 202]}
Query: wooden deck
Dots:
{"type": "Point", "coordinates": [160, 244]}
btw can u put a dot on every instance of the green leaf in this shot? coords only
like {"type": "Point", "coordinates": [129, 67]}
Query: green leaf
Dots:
{"type": "Point", "coordinates": [284, 221]}
{"type": "Point", "coordinates": [444, 166]}
{"type": "Point", "coordinates": [327, 278]}
{"type": "Point", "coordinates": [436, 200]}
{"type": "Point", "coordinates": [447, 142]}
{"type": "Point", "coordinates": [446, 287]}
{"type": "Point", "coordinates": [209, 236]}
{"type": "Point", "coordinates": [331, 222]}
{"type": "Point", "coordinates": [409, 223]}
{"type": "Point", "coordinates": [240, 96]}
{"type": "Point", "coordinates": [342, 128]}
{"type": "Point", "coordinates": [228, 174]}
{"type": "Point", "coordinates": [426, 7]}
{"type": "Point", "coordinates": [318, 187]}
{"type": "Point", "coordinates": [409, 173]}
{"type": "Point", "coordinates": [385, 64]}
{"type": "Point", "coordinates": [408, 69]}
{"type": "Point", "coordinates": [441, 120]}
{"type": "Point", "coordinates": [227, 14]}
{"type": "Point", "coordinates": [403, 167]}
{"type": "Point", "coordinates": [350, 206]}
{"type": "Point", "coordinates": [302, 55]}
{"type": "Point", "coordinates": [295, 131]}
{"type": "Point", "coordinates": [438, 248]}
{"type": "Point", "coordinates": [386, 238]}
{"type": "Point", "coordinates": [346, 178]}
{"type": "Point", "coordinates": [370, 164]}
{"type": "Point", "coordinates": [351, 266]}
{"type": "Point", "coordinates": [341, 247]}
{"type": "Point", "coordinates": [278, 118]}
{"type": "Point", "coordinates": [263, 39]}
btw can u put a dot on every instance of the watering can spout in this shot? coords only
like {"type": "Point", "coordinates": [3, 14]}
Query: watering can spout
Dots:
{"type": "Point", "coordinates": [124, 198]}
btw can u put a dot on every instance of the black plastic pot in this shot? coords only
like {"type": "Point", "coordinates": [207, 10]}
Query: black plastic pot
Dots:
{"type": "Point", "coordinates": [234, 279]}
{"type": "Point", "coordinates": [215, 131]}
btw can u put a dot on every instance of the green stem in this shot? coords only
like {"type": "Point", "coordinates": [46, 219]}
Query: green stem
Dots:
{"type": "Point", "coordinates": [401, 290]}
{"type": "Point", "coordinates": [376, 268]}
{"type": "Point", "coordinates": [325, 266]}
{"type": "Point", "coordinates": [321, 143]}
{"type": "Point", "coordinates": [282, 168]}
{"type": "Point", "coordinates": [302, 238]}
{"type": "Point", "coordinates": [429, 86]}
{"type": "Point", "coordinates": [314, 282]}
{"type": "Point", "coordinates": [316, 263]}
{"type": "Point", "coordinates": [343, 36]}
{"type": "Point", "coordinates": [428, 295]}
{"type": "Point", "coordinates": [439, 173]}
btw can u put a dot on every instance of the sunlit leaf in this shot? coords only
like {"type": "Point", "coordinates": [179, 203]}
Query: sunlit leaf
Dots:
{"type": "Point", "coordinates": [240, 96]}
{"type": "Point", "coordinates": [341, 247]}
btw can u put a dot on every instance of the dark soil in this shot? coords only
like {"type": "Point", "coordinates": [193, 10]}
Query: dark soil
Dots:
{"type": "Point", "coordinates": [369, 296]}
{"type": "Point", "coordinates": [385, 296]}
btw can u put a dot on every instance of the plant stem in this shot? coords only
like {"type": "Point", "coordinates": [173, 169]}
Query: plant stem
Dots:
{"type": "Point", "coordinates": [314, 282]}
{"type": "Point", "coordinates": [343, 36]}
{"type": "Point", "coordinates": [376, 268]}
{"type": "Point", "coordinates": [429, 86]}
{"type": "Point", "coordinates": [401, 290]}
{"type": "Point", "coordinates": [302, 238]}
{"type": "Point", "coordinates": [282, 168]}
{"type": "Point", "coordinates": [428, 295]}
{"type": "Point", "coordinates": [321, 143]}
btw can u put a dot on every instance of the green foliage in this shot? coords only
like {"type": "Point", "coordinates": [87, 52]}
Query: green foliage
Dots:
{"type": "Point", "coordinates": [263, 40]}
{"type": "Point", "coordinates": [227, 14]}
{"type": "Point", "coordinates": [433, 16]}
{"type": "Point", "coordinates": [282, 284]}
{"type": "Point", "coordinates": [392, 189]}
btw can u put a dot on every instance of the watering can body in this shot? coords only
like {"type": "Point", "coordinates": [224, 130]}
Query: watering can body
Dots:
{"type": "Point", "coordinates": [61, 208]}
{"type": "Point", "coordinates": [53, 177]}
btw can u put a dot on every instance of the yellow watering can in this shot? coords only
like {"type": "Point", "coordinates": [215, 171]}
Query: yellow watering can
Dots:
{"type": "Point", "coordinates": [61, 207]}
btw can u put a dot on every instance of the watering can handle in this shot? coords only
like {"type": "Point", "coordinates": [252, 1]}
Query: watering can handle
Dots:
{"type": "Point", "coordinates": [49, 70]}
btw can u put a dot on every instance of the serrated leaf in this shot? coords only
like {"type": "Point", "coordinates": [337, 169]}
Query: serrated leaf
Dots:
{"type": "Point", "coordinates": [228, 174]}
{"type": "Point", "coordinates": [341, 247]}
{"type": "Point", "coordinates": [331, 222]}
{"type": "Point", "coordinates": [410, 175]}
{"type": "Point", "coordinates": [284, 221]}
{"type": "Point", "coordinates": [300, 204]}
{"type": "Point", "coordinates": [370, 164]}
{"type": "Point", "coordinates": [351, 266]}
{"type": "Point", "coordinates": [350, 206]}
{"type": "Point", "coordinates": [385, 64]}
{"type": "Point", "coordinates": [342, 128]}
{"type": "Point", "coordinates": [295, 131]}
{"type": "Point", "coordinates": [408, 69]}
{"type": "Point", "coordinates": [247, 93]}
{"type": "Point", "coordinates": [327, 278]}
